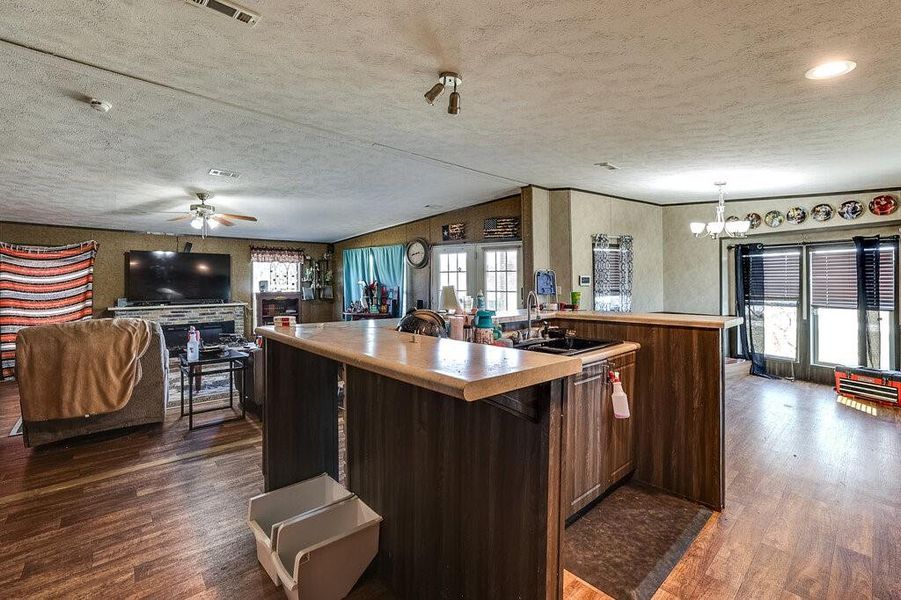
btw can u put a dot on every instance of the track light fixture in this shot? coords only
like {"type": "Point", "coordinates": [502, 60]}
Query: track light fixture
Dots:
{"type": "Point", "coordinates": [446, 79]}
{"type": "Point", "coordinates": [432, 94]}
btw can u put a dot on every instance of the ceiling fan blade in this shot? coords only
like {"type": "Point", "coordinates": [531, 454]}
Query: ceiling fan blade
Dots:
{"type": "Point", "coordinates": [182, 218]}
{"type": "Point", "coordinates": [239, 217]}
{"type": "Point", "coordinates": [222, 220]}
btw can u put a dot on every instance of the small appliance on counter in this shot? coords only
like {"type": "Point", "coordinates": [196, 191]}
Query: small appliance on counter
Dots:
{"type": "Point", "coordinates": [423, 322]}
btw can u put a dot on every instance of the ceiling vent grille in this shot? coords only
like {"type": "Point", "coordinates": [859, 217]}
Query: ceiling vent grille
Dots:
{"type": "Point", "coordinates": [229, 9]}
{"type": "Point", "coordinates": [224, 173]}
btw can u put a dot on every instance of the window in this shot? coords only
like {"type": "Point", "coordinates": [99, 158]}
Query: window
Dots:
{"type": "Point", "coordinates": [452, 271]}
{"type": "Point", "coordinates": [279, 276]}
{"type": "Point", "coordinates": [493, 269]}
{"type": "Point", "coordinates": [502, 278]}
{"type": "Point", "coordinates": [612, 266]}
{"type": "Point", "coordinates": [774, 287]}
{"type": "Point", "coordinates": [833, 304]}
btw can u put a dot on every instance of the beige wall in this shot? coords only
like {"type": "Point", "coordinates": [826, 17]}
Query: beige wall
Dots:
{"type": "Point", "coordinates": [574, 216]}
{"type": "Point", "coordinates": [692, 267]}
{"type": "Point", "coordinates": [430, 229]}
{"type": "Point", "coordinates": [109, 268]}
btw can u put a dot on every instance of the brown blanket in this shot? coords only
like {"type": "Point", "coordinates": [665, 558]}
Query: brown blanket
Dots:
{"type": "Point", "coordinates": [78, 369]}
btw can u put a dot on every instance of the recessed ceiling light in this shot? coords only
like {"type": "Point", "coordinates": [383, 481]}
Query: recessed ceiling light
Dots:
{"type": "Point", "coordinates": [828, 70]}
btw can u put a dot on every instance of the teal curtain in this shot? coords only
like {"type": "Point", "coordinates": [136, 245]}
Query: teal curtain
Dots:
{"type": "Point", "coordinates": [356, 268]}
{"type": "Point", "coordinates": [388, 263]}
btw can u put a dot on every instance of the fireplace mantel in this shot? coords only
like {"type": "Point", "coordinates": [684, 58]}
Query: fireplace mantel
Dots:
{"type": "Point", "coordinates": [116, 309]}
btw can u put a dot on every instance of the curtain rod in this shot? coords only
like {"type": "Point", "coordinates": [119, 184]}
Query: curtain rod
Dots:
{"type": "Point", "coordinates": [892, 238]}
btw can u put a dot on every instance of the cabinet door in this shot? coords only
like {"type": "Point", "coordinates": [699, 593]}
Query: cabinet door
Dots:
{"type": "Point", "coordinates": [583, 477]}
{"type": "Point", "coordinates": [617, 457]}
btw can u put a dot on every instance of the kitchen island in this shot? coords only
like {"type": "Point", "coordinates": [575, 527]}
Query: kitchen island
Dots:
{"type": "Point", "coordinates": [460, 448]}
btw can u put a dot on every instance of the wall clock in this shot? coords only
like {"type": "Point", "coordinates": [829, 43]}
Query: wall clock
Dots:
{"type": "Point", "coordinates": [418, 253]}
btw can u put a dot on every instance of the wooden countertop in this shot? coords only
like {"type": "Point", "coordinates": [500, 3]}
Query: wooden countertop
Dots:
{"type": "Point", "coordinates": [460, 369]}
{"type": "Point", "coordinates": [671, 319]}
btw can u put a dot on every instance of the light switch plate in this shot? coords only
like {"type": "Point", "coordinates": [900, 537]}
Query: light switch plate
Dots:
{"type": "Point", "coordinates": [584, 280]}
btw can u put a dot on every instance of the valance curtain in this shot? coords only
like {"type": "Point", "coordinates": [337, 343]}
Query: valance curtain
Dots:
{"type": "Point", "coordinates": [388, 263]}
{"type": "Point", "coordinates": [281, 255]}
{"type": "Point", "coordinates": [41, 285]}
{"type": "Point", "coordinates": [356, 269]}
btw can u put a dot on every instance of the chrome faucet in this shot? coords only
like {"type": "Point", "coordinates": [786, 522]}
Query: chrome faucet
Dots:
{"type": "Point", "coordinates": [532, 294]}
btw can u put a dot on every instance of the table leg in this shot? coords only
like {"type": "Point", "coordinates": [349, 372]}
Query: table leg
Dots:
{"type": "Point", "coordinates": [190, 400]}
{"type": "Point", "coordinates": [244, 392]}
{"type": "Point", "coordinates": [231, 385]}
{"type": "Point", "coordinates": [181, 373]}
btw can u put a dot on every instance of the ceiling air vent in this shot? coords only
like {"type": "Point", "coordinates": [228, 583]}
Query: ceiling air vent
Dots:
{"type": "Point", "coordinates": [229, 9]}
{"type": "Point", "coordinates": [224, 173]}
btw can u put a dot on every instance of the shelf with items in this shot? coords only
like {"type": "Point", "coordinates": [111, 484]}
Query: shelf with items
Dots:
{"type": "Point", "coordinates": [275, 304]}
{"type": "Point", "coordinates": [318, 278]}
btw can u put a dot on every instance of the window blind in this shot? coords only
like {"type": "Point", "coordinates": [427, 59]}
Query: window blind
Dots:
{"type": "Point", "coordinates": [774, 275]}
{"type": "Point", "coordinates": [833, 278]}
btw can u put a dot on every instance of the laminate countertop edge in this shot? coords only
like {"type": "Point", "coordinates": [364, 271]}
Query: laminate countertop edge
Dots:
{"type": "Point", "coordinates": [481, 371]}
{"type": "Point", "coordinates": [664, 319]}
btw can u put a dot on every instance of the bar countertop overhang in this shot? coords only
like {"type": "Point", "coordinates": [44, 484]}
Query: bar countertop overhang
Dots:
{"type": "Point", "coordinates": [459, 369]}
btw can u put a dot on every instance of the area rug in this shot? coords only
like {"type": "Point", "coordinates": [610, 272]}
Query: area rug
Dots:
{"type": "Point", "coordinates": [17, 428]}
{"type": "Point", "coordinates": [627, 544]}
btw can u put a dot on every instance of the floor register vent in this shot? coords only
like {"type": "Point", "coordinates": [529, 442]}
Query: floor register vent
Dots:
{"type": "Point", "coordinates": [229, 9]}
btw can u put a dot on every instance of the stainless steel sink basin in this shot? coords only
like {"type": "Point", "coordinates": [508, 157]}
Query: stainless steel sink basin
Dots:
{"type": "Point", "coordinates": [565, 346]}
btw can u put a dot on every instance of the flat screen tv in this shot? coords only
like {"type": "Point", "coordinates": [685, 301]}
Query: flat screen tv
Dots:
{"type": "Point", "coordinates": [177, 277]}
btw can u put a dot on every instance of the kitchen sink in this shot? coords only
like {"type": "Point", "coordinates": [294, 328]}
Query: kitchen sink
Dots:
{"type": "Point", "coordinates": [568, 346]}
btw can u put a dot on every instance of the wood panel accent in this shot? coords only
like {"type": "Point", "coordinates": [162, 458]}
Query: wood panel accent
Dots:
{"type": "Point", "coordinates": [300, 432]}
{"type": "Point", "coordinates": [469, 492]}
{"type": "Point", "coordinates": [679, 444]}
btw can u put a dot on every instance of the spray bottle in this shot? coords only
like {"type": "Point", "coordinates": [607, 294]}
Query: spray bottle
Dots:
{"type": "Point", "coordinates": [619, 398]}
{"type": "Point", "coordinates": [193, 347]}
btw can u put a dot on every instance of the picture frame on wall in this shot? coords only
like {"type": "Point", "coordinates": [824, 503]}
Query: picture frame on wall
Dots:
{"type": "Point", "coordinates": [453, 232]}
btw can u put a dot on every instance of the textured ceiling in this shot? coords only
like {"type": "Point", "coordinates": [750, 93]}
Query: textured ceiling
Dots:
{"type": "Point", "coordinates": [320, 106]}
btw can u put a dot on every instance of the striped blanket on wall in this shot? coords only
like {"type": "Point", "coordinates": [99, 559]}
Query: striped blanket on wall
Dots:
{"type": "Point", "coordinates": [40, 285]}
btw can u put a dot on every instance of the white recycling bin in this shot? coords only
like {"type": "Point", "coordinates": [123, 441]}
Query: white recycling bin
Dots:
{"type": "Point", "coordinates": [321, 555]}
{"type": "Point", "coordinates": [269, 511]}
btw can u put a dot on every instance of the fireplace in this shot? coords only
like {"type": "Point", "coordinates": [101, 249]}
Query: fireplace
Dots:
{"type": "Point", "coordinates": [177, 334]}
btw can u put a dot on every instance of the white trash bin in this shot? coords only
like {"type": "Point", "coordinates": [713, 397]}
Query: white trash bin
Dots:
{"type": "Point", "coordinates": [321, 555]}
{"type": "Point", "coordinates": [268, 512]}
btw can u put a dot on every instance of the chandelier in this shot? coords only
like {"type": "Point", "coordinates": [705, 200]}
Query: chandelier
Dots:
{"type": "Point", "coordinates": [733, 227]}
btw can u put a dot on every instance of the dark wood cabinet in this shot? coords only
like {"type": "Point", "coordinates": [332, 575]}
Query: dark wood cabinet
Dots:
{"type": "Point", "coordinates": [269, 305]}
{"type": "Point", "coordinates": [598, 448]}
{"type": "Point", "coordinates": [618, 447]}
{"type": "Point", "coordinates": [583, 450]}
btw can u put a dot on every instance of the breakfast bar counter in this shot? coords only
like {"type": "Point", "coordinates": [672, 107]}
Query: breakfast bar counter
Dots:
{"type": "Point", "coordinates": [460, 447]}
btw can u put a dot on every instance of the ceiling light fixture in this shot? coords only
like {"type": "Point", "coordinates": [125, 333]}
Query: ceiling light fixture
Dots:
{"type": "Point", "coordinates": [736, 228]}
{"type": "Point", "coordinates": [446, 79]}
{"type": "Point", "coordinates": [830, 70]}
{"type": "Point", "coordinates": [606, 165]}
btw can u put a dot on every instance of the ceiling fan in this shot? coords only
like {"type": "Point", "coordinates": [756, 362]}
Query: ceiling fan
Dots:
{"type": "Point", "coordinates": [203, 216]}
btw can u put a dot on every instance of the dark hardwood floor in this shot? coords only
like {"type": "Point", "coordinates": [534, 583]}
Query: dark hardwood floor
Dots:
{"type": "Point", "coordinates": [813, 508]}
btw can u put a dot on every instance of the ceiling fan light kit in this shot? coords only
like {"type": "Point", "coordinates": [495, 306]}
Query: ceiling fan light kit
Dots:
{"type": "Point", "coordinates": [204, 217]}
{"type": "Point", "coordinates": [446, 79]}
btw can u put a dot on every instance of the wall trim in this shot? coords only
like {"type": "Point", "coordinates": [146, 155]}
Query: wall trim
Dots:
{"type": "Point", "coordinates": [750, 199]}
{"type": "Point", "coordinates": [507, 197]}
{"type": "Point", "coordinates": [160, 233]}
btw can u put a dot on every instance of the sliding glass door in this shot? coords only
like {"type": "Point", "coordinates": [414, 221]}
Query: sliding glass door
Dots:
{"type": "Point", "coordinates": [812, 306]}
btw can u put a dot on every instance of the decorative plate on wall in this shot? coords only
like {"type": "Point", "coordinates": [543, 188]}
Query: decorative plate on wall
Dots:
{"type": "Point", "coordinates": [883, 205]}
{"type": "Point", "coordinates": [822, 212]}
{"type": "Point", "coordinates": [850, 210]}
{"type": "Point", "coordinates": [796, 215]}
{"type": "Point", "coordinates": [774, 218]}
{"type": "Point", "coordinates": [755, 220]}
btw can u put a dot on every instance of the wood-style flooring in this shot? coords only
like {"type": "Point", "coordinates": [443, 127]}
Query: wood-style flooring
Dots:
{"type": "Point", "coordinates": [813, 508]}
